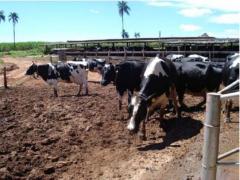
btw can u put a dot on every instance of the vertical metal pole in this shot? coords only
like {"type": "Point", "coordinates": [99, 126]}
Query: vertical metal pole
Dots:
{"type": "Point", "coordinates": [5, 77]}
{"type": "Point", "coordinates": [125, 53]}
{"type": "Point", "coordinates": [211, 137]}
{"type": "Point", "coordinates": [108, 56]}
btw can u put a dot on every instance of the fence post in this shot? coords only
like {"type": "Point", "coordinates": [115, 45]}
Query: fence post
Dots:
{"type": "Point", "coordinates": [125, 53]}
{"type": "Point", "coordinates": [211, 137]}
{"type": "Point", "coordinates": [109, 55]}
{"type": "Point", "coordinates": [5, 77]}
{"type": "Point", "coordinates": [143, 53]}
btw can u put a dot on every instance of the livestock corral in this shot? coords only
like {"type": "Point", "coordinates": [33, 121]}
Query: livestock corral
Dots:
{"type": "Point", "coordinates": [85, 137]}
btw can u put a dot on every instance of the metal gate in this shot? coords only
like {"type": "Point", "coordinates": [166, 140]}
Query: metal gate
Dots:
{"type": "Point", "coordinates": [211, 133]}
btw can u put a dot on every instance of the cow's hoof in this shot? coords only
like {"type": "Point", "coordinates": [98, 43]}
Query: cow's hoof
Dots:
{"type": "Point", "coordinates": [142, 136]}
{"type": "Point", "coordinates": [227, 120]}
{"type": "Point", "coordinates": [122, 117]}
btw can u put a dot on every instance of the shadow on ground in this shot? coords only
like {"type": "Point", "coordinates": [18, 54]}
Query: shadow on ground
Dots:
{"type": "Point", "coordinates": [176, 129]}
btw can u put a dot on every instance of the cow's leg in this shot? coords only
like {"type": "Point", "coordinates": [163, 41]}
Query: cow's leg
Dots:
{"type": "Point", "coordinates": [120, 96]}
{"type": "Point", "coordinates": [142, 135]}
{"type": "Point", "coordinates": [180, 93]}
{"type": "Point", "coordinates": [173, 95]}
{"type": "Point", "coordinates": [55, 92]}
{"type": "Point", "coordinates": [228, 106]}
{"type": "Point", "coordinates": [79, 90]}
{"type": "Point", "coordinates": [85, 88]}
{"type": "Point", "coordinates": [53, 83]}
{"type": "Point", "coordinates": [130, 93]}
{"type": "Point", "coordinates": [130, 107]}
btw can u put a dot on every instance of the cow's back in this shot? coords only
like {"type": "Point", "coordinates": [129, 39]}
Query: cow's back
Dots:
{"type": "Point", "coordinates": [63, 71]}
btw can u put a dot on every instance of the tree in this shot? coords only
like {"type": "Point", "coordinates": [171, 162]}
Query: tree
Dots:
{"type": "Point", "coordinates": [137, 35]}
{"type": "Point", "coordinates": [14, 18]}
{"type": "Point", "coordinates": [125, 34]}
{"type": "Point", "coordinates": [2, 16]}
{"type": "Point", "coordinates": [122, 9]}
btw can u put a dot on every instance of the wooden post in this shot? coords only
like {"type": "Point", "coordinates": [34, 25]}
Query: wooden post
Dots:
{"type": "Point", "coordinates": [5, 77]}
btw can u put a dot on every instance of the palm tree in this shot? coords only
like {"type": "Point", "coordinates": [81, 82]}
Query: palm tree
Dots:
{"type": "Point", "coordinates": [2, 16]}
{"type": "Point", "coordinates": [123, 8]}
{"type": "Point", "coordinates": [136, 35]}
{"type": "Point", "coordinates": [125, 34]}
{"type": "Point", "coordinates": [14, 18]}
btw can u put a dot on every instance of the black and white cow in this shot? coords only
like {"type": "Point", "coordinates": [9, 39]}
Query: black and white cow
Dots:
{"type": "Point", "coordinates": [157, 87]}
{"type": "Point", "coordinates": [197, 78]}
{"type": "Point", "coordinates": [70, 72]}
{"type": "Point", "coordinates": [231, 74]}
{"type": "Point", "coordinates": [126, 76]}
{"type": "Point", "coordinates": [94, 64]}
{"type": "Point", "coordinates": [174, 57]}
{"type": "Point", "coordinates": [199, 57]}
{"type": "Point", "coordinates": [231, 70]}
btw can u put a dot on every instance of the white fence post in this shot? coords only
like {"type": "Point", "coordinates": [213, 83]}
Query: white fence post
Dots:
{"type": "Point", "coordinates": [211, 137]}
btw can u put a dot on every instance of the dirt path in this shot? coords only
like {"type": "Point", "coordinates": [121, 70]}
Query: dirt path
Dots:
{"type": "Point", "coordinates": [69, 137]}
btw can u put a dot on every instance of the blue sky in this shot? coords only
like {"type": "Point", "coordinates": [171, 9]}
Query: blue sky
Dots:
{"type": "Point", "coordinates": [80, 20]}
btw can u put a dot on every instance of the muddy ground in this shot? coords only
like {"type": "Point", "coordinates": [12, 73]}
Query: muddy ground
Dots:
{"type": "Point", "coordinates": [69, 137]}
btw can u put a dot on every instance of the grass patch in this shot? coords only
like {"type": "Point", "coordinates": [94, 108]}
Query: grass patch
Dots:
{"type": "Point", "coordinates": [21, 46]}
{"type": "Point", "coordinates": [1, 61]}
{"type": "Point", "coordinates": [31, 52]}
{"type": "Point", "coordinates": [22, 49]}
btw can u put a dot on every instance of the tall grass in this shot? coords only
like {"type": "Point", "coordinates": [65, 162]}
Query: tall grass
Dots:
{"type": "Point", "coordinates": [22, 49]}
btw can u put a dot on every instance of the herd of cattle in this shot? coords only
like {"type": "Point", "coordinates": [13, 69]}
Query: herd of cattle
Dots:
{"type": "Point", "coordinates": [159, 83]}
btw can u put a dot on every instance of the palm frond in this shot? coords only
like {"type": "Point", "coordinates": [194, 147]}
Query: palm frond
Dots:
{"type": "Point", "coordinates": [2, 16]}
{"type": "Point", "coordinates": [13, 17]}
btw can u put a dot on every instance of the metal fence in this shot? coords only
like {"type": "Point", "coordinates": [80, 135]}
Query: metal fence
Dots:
{"type": "Point", "coordinates": [211, 133]}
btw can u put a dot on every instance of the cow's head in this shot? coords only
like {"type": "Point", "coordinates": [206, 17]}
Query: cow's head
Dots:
{"type": "Point", "coordinates": [32, 69]}
{"type": "Point", "coordinates": [108, 74]}
{"type": "Point", "coordinates": [234, 71]}
{"type": "Point", "coordinates": [96, 65]}
{"type": "Point", "coordinates": [153, 88]}
{"type": "Point", "coordinates": [154, 85]}
{"type": "Point", "coordinates": [139, 112]}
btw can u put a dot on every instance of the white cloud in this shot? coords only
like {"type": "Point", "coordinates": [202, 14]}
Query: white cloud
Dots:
{"type": "Point", "coordinates": [94, 11]}
{"type": "Point", "coordinates": [189, 27]}
{"type": "Point", "coordinates": [222, 5]}
{"type": "Point", "coordinates": [194, 12]}
{"type": "Point", "coordinates": [232, 18]}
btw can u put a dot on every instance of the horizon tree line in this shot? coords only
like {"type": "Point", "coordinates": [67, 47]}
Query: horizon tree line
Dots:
{"type": "Point", "coordinates": [12, 17]}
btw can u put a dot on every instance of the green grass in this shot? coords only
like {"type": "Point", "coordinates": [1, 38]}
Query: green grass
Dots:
{"type": "Point", "coordinates": [1, 61]}
{"type": "Point", "coordinates": [22, 49]}
{"type": "Point", "coordinates": [31, 52]}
